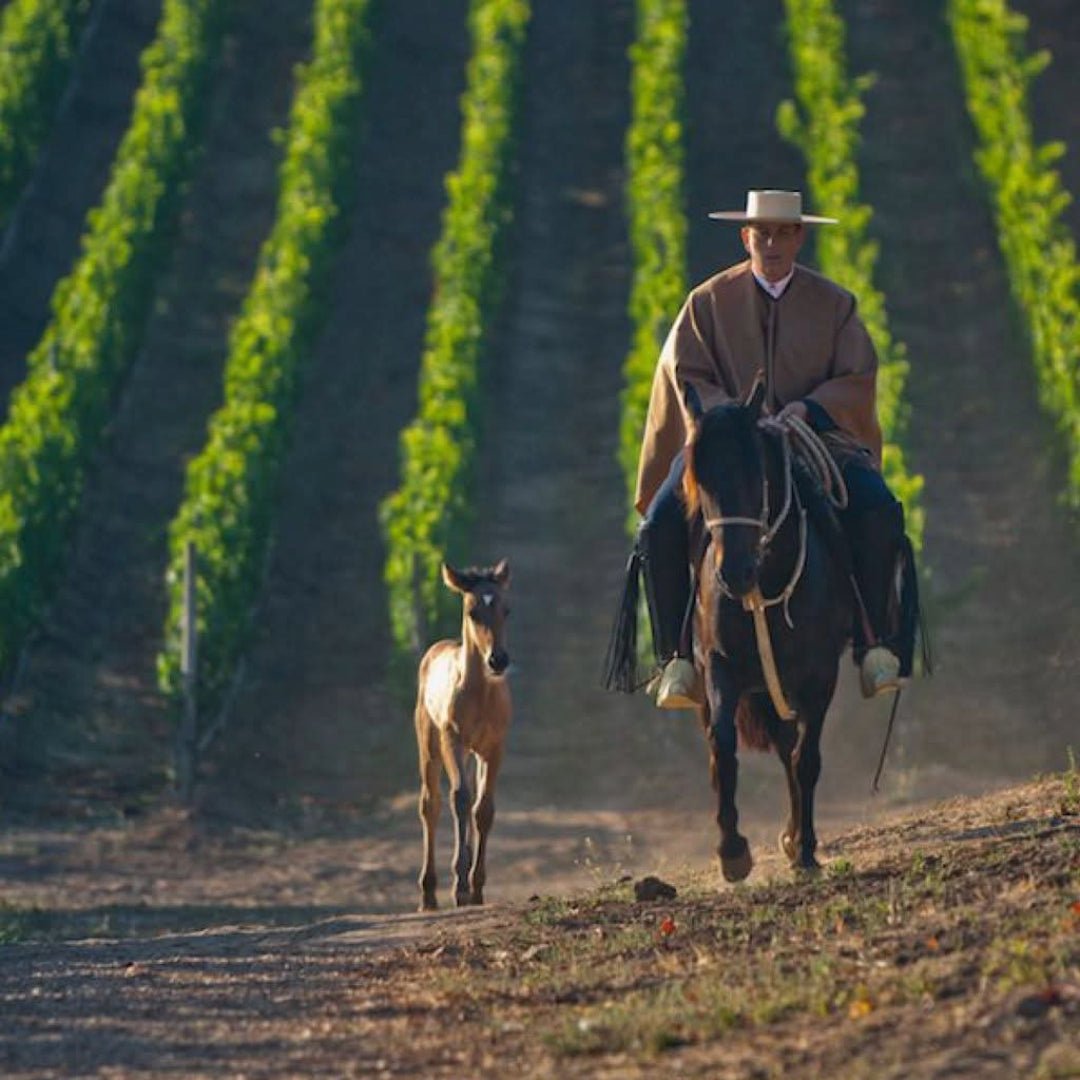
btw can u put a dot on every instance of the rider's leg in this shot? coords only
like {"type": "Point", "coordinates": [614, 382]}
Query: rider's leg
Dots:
{"type": "Point", "coordinates": [874, 524]}
{"type": "Point", "coordinates": [663, 543]}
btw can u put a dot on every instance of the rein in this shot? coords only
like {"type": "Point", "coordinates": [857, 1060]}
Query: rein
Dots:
{"type": "Point", "coordinates": [821, 464]}
{"type": "Point", "coordinates": [768, 534]}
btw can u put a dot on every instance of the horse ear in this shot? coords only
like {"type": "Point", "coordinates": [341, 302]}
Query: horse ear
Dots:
{"type": "Point", "coordinates": [692, 401]}
{"type": "Point", "coordinates": [501, 573]}
{"type": "Point", "coordinates": [756, 398]}
{"type": "Point", "coordinates": [452, 578]}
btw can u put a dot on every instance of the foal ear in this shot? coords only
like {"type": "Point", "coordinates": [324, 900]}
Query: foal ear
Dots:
{"type": "Point", "coordinates": [452, 578]}
{"type": "Point", "coordinates": [501, 573]}
{"type": "Point", "coordinates": [692, 401]}
{"type": "Point", "coordinates": [756, 397]}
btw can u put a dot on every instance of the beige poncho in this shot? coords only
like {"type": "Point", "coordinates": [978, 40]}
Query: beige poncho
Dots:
{"type": "Point", "coordinates": [808, 344]}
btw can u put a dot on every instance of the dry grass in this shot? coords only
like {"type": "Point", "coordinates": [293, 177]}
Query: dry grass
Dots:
{"type": "Point", "coordinates": [951, 935]}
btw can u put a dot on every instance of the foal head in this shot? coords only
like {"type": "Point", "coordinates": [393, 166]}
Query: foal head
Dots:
{"type": "Point", "coordinates": [725, 480]}
{"type": "Point", "coordinates": [483, 594]}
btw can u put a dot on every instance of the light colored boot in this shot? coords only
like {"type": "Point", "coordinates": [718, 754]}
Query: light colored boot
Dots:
{"type": "Point", "coordinates": [679, 686]}
{"type": "Point", "coordinates": [879, 672]}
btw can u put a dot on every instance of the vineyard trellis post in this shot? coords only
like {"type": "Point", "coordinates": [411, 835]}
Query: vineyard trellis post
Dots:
{"type": "Point", "coordinates": [187, 748]}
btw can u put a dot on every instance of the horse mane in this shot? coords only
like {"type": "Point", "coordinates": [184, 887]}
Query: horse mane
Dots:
{"type": "Point", "coordinates": [690, 485]}
{"type": "Point", "coordinates": [691, 490]}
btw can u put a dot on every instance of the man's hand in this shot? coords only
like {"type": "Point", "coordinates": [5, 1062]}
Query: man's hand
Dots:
{"type": "Point", "coordinates": [797, 409]}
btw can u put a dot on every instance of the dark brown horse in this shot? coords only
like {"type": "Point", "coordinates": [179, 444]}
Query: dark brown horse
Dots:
{"type": "Point", "coordinates": [463, 712]}
{"type": "Point", "coordinates": [774, 546]}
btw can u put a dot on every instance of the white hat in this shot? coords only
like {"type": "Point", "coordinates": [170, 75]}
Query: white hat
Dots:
{"type": "Point", "coordinates": [781, 206]}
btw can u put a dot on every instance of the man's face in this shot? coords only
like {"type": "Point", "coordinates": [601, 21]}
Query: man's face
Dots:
{"type": "Point", "coordinates": [772, 247]}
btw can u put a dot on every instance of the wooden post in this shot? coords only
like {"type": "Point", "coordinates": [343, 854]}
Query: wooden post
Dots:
{"type": "Point", "coordinates": [188, 741]}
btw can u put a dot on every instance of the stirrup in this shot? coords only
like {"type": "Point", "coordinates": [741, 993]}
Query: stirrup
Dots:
{"type": "Point", "coordinates": [679, 686]}
{"type": "Point", "coordinates": [879, 672]}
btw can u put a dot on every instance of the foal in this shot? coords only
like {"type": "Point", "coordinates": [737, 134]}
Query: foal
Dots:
{"type": "Point", "coordinates": [463, 708]}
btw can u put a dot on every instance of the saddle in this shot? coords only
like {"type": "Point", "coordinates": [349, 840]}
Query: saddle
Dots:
{"type": "Point", "coordinates": [903, 616]}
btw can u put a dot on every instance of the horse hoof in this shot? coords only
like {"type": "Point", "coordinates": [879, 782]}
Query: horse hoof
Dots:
{"type": "Point", "coordinates": [787, 846]}
{"type": "Point", "coordinates": [428, 904]}
{"type": "Point", "coordinates": [807, 865]}
{"type": "Point", "coordinates": [737, 867]}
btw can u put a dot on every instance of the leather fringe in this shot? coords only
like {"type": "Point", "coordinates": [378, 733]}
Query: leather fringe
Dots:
{"type": "Point", "coordinates": [620, 664]}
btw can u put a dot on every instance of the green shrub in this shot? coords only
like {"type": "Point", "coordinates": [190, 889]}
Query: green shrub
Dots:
{"type": "Point", "coordinates": [1028, 198]}
{"type": "Point", "coordinates": [654, 164]}
{"type": "Point", "coordinates": [38, 43]}
{"type": "Point", "coordinates": [58, 415]}
{"type": "Point", "coordinates": [824, 123]}
{"type": "Point", "coordinates": [231, 485]}
{"type": "Point", "coordinates": [426, 519]}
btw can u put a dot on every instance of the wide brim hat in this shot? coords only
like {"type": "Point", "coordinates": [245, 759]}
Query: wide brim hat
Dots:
{"type": "Point", "coordinates": [782, 207]}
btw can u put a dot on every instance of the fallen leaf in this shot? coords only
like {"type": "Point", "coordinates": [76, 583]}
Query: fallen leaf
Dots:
{"type": "Point", "coordinates": [859, 1008]}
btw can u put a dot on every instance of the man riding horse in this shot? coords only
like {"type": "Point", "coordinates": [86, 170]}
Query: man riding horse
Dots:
{"type": "Point", "coordinates": [769, 318]}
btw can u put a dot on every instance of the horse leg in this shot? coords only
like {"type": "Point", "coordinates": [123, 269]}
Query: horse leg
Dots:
{"type": "Point", "coordinates": [430, 769]}
{"type": "Point", "coordinates": [734, 851]}
{"type": "Point", "coordinates": [800, 752]}
{"type": "Point", "coordinates": [487, 770]}
{"type": "Point", "coordinates": [455, 759]}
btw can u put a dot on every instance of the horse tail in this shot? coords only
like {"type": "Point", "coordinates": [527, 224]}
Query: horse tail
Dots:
{"type": "Point", "coordinates": [751, 725]}
{"type": "Point", "coordinates": [620, 665]}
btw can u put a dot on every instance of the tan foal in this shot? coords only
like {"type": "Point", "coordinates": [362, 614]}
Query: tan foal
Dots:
{"type": "Point", "coordinates": [463, 710]}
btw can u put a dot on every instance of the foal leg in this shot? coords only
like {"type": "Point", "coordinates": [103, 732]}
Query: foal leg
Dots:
{"type": "Point", "coordinates": [455, 758]}
{"type": "Point", "coordinates": [487, 770]}
{"type": "Point", "coordinates": [430, 770]}
{"type": "Point", "coordinates": [736, 861]}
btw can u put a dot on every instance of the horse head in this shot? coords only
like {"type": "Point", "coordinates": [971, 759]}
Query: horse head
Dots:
{"type": "Point", "coordinates": [483, 592]}
{"type": "Point", "coordinates": [725, 480]}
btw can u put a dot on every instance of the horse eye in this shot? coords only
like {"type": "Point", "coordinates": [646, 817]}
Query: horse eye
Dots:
{"type": "Point", "coordinates": [506, 612]}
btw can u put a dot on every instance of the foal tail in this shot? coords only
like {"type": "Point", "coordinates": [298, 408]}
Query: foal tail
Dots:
{"type": "Point", "coordinates": [620, 665]}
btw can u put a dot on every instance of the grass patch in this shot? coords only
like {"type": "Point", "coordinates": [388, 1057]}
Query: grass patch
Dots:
{"type": "Point", "coordinates": [960, 922]}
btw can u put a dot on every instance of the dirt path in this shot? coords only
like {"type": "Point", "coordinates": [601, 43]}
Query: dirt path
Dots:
{"type": "Point", "coordinates": [140, 952]}
{"type": "Point", "coordinates": [42, 238]}
{"type": "Point", "coordinates": [1005, 588]}
{"type": "Point", "coordinates": [88, 711]}
{"type": "Point", "coordinates": [314, 722]}
{"type": "Point", "coordinates": [737, 73]}
{"type": "Point", "coordinates": [550, 494]}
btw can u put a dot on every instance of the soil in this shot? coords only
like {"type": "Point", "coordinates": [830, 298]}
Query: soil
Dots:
{"type": "Point", "coordinates": [268, 930]}
{"type": "Point", "coordinates": [166, 948]}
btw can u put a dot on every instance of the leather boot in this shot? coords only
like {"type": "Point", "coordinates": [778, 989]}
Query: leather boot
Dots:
{"type": "Point", "coordinates": [665, 563]}
{"type": "Point", "coordinates": [876, 537]}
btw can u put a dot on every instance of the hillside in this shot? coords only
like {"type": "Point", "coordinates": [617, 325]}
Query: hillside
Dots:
{"type": "Point", "coordinates": [268, 930]}
{"type": "Point", "coordinates": [42, 239]}
{"type": "Point", "coordinates": [318, 736]}
{"type": "Point", "coordinates": [314, 721]}
{"type": "Point", "coordinates": [937, 943]}
{"type": "Point", "coordinates": [1004, 566]}
{"type": "Point", "coordinates": [91, 722]}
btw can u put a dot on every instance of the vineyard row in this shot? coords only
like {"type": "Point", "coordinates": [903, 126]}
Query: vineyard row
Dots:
{"type": "Point", "coordinates": [58, 415]}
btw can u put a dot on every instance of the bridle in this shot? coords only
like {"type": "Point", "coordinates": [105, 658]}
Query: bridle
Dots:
{"type": "Point", "coordinates": [768, 531]}
{"type": "Point", "coordinates": [825, 469]}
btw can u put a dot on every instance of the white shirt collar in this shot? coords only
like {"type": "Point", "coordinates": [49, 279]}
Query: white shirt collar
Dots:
{"type": "Point", "coordinates": [774, 288]}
